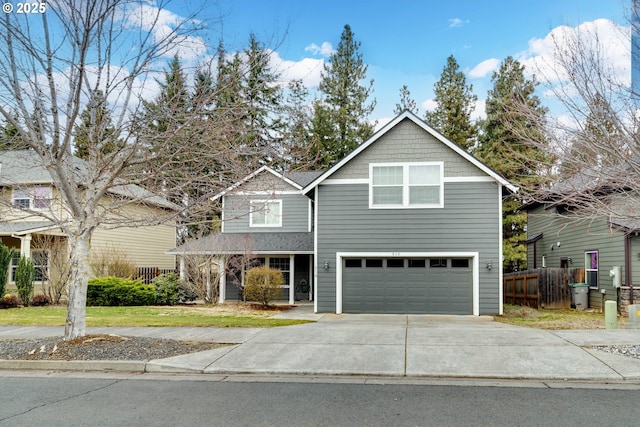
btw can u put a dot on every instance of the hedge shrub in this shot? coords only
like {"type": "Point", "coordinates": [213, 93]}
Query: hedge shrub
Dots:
{"type": "Point", "coordinates": [6, 255]}
{"type": "Point", "coordinates": [170, 290]}
{"type": "Point", "coordinates": [24, 276]}
{"type": "Point", "coordinates": [263, 284]}
{"type": "Point", "coordinates": [115, 291]}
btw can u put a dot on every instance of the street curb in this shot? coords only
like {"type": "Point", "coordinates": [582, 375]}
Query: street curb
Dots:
{"type": "Point", "coordinates": [75, 365]}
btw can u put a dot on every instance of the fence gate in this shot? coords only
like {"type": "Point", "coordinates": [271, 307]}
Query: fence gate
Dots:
{"type": "Point", "coordinates": [542, 287]}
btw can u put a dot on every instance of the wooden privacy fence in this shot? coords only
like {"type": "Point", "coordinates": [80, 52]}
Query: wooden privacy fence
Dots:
{"type": "Point", "coordinates": [147, 274]}
{"type": "Point", "coordinates": [542, 287]}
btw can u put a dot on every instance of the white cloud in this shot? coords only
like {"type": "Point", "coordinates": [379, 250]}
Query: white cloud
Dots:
{"type": "Point", "coordinates": [484, 68]}
{"type": "Point", "coordinates": [164, 26]}
{"type": "Point", "coordinates": [429, 105]}
{"type": "Point", "coordinates": [602, 40]}
{"type": "Point", "coordinates": [480, 112]}
{"type": "Point", "coordinates": [307, 69]}
{"type": "Point", "coordinates": [457, 22]}
{"type": "Point", "coordinates": [326, 49]}
{"type": "Point", "coordinates": [379, 123]}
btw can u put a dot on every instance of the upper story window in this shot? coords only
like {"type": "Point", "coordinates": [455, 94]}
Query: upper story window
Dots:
{"type": "Point", "coordinates": [411, 185]}
{"type": "Point", "coordinates": [266, 213]}
{"type": "Point", "coordinates": [32, 198]}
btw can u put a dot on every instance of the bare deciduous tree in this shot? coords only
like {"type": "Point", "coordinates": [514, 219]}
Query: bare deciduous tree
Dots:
{"type": "Point", "coordinates": [596, 151]}
{"type": "Point", "coordinates": [51, 65]}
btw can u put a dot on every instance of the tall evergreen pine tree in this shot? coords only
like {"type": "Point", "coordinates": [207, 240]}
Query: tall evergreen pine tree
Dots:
{"type": "Point", "coordinates": [340, 121]}
{"type": "Point", "coordinates": [455, 103]}
{"type": "Point", "coordinates": [503, 147]}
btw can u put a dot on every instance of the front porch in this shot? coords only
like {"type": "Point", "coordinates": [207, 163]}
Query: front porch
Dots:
{"type": "Point", "coordinates": [297, 270]}
{"type": "Point", "coordinates": [222, 260]}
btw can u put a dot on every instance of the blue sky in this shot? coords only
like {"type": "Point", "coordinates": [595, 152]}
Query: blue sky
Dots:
{"type": "Point", "coordinates": [402, 41]}
{"type": "Point", "coordinates": [406, 41]}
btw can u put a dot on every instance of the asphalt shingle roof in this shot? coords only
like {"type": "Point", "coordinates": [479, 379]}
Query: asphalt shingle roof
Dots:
{"type": "Point", "coordinates": [233, 243]}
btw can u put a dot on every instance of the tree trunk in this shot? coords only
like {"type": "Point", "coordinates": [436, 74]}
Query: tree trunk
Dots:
{"type": "Point", "coordinates": [75, 325]}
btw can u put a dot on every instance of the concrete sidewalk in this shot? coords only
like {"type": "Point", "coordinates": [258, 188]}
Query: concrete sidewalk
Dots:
{"type": "Point", "coordinates": [379, 345]}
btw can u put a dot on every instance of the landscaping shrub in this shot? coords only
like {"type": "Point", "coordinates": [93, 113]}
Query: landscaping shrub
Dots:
{"type": "Point", "coordinates": [263, 284]}
{"type": "Point", "coordinates": [24, 276]}
{"type": "Point", "coordinates": [115, 291]}
{"type": "Point", "coordinates": [6, 255]}
{"type": "Point", "coordinates": [170, 290]}
{"type": "Point", "coordinates": [10, 301]}
{"type": "Point", "coordinates": [40, 300]}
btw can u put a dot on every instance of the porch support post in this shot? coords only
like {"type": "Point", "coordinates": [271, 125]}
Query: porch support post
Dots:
{"type": "Point", "coordinates": [292, 280]}
{"type": "Point", "coordinates": [25, 245]}
{"type": "Point", "coordinates": [311, 277]}
{"type": "Point", "coordinates": [222, 271]}
{"type": "Point", "coordinates": [182, 267]}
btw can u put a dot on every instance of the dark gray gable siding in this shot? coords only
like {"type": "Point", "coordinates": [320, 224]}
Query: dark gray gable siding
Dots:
{"type": "Point", "coordinates": [295, 213]}
{"type": "Point", "coordinates": [576, 237]}
{"type": "Point", "coordinates": [295, 206]}
{"type": "Point", "coordinates": [407, 142]}
{"type": "Point", "coordinates": [469, 222]}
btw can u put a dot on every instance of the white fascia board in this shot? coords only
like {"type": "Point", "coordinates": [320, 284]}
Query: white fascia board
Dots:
{"type": "Point", "coordinates": [428, 129]}
{"type": "Point", "coordinates": [253, 175]}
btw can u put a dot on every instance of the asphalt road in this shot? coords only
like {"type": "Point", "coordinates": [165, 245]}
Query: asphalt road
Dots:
{"type": "Point", "coordinates": [76, 400]}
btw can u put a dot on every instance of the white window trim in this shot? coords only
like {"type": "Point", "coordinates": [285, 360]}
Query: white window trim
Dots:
{"type": "Point", "coordinates": [597, 269]}
{"type": "Point", "coordinates": [264, 202]}
{"type": "Point", "coordinates": [405, 186]}
{"type": "Point", "coordinates": [31, 197]}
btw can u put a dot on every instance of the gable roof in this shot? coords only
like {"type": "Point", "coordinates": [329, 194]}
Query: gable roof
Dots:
{"type": "Point", "coordinates": [407, 115]}
{"type": "Point", "coordinates": [24, 167]}
{"type": "Point", "coordinates": [297, 179]}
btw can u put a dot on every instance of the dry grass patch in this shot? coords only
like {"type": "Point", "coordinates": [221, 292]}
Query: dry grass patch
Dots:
{"type": "Point", "coordinates": [554, 318]}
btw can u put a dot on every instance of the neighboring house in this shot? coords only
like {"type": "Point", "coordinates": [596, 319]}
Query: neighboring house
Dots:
{"type": "Point", "coordinates": [607, 248]}
{"type": "Point", "coordinates": [26, 189]}
{"type": "Point", "coordinates": [407, 223]}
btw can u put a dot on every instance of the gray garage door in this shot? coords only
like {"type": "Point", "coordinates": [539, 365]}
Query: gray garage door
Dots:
{"type": "Point", "coordinates": [407, 285]}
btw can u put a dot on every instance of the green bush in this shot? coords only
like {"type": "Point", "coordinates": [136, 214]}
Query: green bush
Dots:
{"type": "Point", "coordinates": [263, 284]}
{"type": "Point", "coordinates": [115, 291]}
{"type": "Point", "coordinates": [24, 276]}
{"type": "Point", "coordinates": [170, 290]}
{"type": "Point", "coordinates": [6, 255]}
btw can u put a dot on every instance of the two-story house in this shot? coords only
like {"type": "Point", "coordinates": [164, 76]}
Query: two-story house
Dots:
{"type": "Point", "coordinates": [31, 209]}
{"type": "Point", "coordinates": [406, 223]}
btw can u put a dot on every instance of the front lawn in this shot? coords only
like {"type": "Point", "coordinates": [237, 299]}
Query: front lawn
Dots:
{"type": "Point", "coordinates": [554, 319]}
{"type": "Point", "coordinates": [223, 315]}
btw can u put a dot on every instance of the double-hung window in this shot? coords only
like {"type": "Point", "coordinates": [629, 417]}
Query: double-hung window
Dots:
{"type": "Point", "coordinates": [32, 198]}
{"type": "Point", "coordinates": [266, 213]}
{"type": "Point", "coordinates": [411, 185]}
{"type": "Point", "coordinates": [591, 268]}
{"type": "Point", "coordinates": [40, 260]}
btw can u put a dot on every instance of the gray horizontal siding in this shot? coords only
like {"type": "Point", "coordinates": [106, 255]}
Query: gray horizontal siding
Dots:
{"type": "Point", "coordinates": [295, 214]}
{"type": "Point", "coordinates": [576, 237]}
{"type": "Point", "coordinates": [407, 142]}
{"type": "Point", "coordinates": [468, 222]}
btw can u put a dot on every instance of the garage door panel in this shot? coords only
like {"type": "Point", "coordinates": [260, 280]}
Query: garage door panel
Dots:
{"type": "Point", "coordinates": [408, 290]}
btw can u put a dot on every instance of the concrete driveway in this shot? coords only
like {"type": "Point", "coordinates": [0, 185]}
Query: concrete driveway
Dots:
{"type": "Point", "coordinates": [420, 346]}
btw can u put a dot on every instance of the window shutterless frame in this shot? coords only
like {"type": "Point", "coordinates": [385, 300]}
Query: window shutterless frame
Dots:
{"type": "Point", "coordinates": [265, 213]}
{"type": "Point", "coordinates": [415, 185]}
